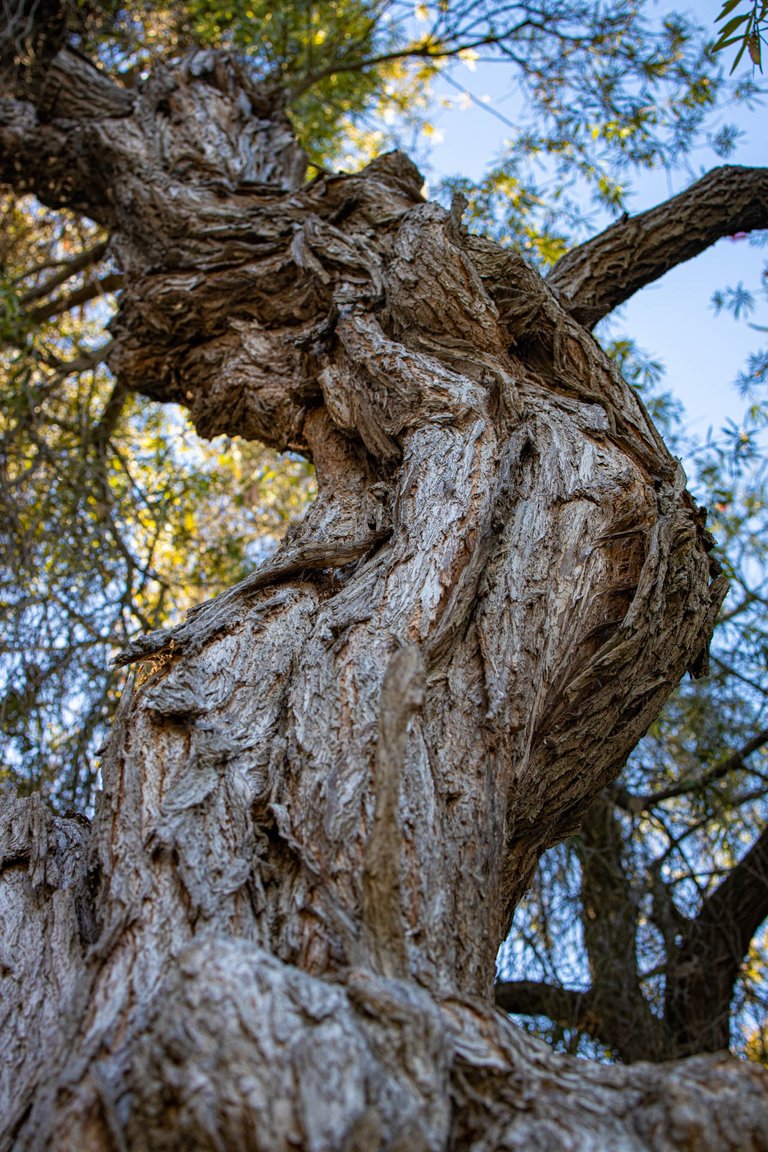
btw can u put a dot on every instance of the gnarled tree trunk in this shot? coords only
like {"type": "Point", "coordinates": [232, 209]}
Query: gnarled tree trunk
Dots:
{"type": "Point", "coordinates": [329, 787]}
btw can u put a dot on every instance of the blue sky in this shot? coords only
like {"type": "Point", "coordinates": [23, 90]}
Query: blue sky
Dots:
{"type": "Point", "coordinates": [672, 319]}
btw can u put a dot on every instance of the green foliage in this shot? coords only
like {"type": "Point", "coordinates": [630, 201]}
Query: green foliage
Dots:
{"type": "Point", "coordinates": [637, 96]}
{"type": "Point", "coordinates": [743, 303]}
{"type": "Point", "coordinates": [745, 28]}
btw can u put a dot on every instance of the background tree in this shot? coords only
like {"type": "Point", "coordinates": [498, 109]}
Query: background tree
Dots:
{"type": "Point", "coordinates": [195, 839]}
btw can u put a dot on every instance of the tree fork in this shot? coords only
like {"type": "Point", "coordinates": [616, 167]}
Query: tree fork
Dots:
{"type": "Point", "coordinates": [531, 564]}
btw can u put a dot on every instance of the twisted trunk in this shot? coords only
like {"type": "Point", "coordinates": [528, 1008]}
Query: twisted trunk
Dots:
{"type": "Point", "coordinates": [328, 788]}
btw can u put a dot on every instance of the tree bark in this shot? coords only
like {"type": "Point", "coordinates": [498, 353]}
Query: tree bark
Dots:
{"type": "Point", "coordinates": [329, 787]}
{"type": "Point", "coordinates": [601, 274]}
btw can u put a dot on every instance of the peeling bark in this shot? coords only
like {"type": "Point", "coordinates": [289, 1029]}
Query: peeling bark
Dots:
{"type": "Point", "coordinates": [329, 787]}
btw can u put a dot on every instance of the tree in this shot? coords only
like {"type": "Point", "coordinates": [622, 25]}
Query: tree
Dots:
{"type": "Point", "coordinates": [329, 787]}
{"type": "Point", "coordinates": [161, 520]}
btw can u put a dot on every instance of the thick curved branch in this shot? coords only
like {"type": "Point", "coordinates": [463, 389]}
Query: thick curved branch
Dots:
{"type": "Point", "coordinates": [601, 274]}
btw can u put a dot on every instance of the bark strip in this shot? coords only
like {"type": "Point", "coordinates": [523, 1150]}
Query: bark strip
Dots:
{"type": "Point", "coordinates": [402, 697]}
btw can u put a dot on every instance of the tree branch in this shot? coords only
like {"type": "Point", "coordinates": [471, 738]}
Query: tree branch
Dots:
{"type": "Point", "coordinates": [425, 50]}
{"type": "Point", "coordinates": [730, 916]}
{"type": "Point", "coordinates": [113, 408]}
{"type": "Point", "coordinates": [609, 922]}
{"type": "Point", "coordinates": [89, 291]}
{"type": "Point", "coordinates": [703, 969]}
{"type": "Point", "coordinates": [65, 271]}
{"type": "Point", "coordinates": [565, 1006]}
{"type": "Point", "coordinates": [634, 804]}
{"type": "Point", "coordinates": [601, 274]}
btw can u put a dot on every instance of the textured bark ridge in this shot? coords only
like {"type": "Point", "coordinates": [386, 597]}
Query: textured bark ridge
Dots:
{"type": "Point", "coordinates": [329, 787]}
